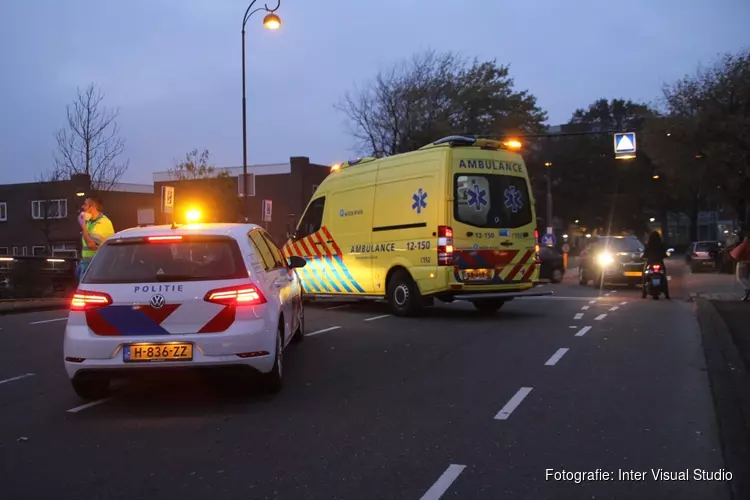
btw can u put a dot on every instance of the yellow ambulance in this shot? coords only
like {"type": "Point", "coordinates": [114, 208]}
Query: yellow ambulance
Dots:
{"type": "Point", "coordinates": [454, 220]}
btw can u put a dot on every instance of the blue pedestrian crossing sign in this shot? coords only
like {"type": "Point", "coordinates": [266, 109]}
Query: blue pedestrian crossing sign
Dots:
{"type": "Point", "coordinates": [548, 240]}
{"type": "Point", "coordinates": [625, 145]}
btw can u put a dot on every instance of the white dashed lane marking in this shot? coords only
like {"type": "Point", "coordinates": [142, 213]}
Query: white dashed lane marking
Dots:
{"type": "Point", "coordinates": [578, 316]}
{"type": "Point", "coordinates": [25, 375]}
{"type": "Point", "coordinates": [88, 405]}
{"type": "Point", "coordinates": [511, 405]}
{"type": "Point", "coordinates": [600, 317]}
{"type": "Point", "coordinates": [623, 303]}
{"type": "Point", "coordinates": [48, 321]}
{"type": "Point", "coordinates": [585, 308]}
{"type": "Point", "coordinates": [324, 330]}
{"type": "Point", "coordinates": [377, 317]}
{"type": "Point", "coordinates": [444, 482]}
{"type": "Point", "coordinates": [556, 357]}
{"type": "Point", "coordinates": [583, 331]}
{"type": "Point", "coordinates": [614, 308]}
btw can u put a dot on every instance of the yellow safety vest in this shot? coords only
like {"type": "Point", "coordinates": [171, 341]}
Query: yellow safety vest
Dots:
{"type": "Point", "coordinates": [100, 229]}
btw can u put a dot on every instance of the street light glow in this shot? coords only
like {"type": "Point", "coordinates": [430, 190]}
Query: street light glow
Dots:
{"type": "Point", "coordinates": [656, 176]}
{"type": "Point", "coordinates": [652, 219]}
{"type": "Point", "coordinates": [272, 22]}
{"type": "Point", "coordinates": [548, 164]}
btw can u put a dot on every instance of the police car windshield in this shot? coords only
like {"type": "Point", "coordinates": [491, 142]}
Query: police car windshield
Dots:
{"type": "Point", "coordinates": [491, 200]}
{"type": "Point", "coordinates": [187, 260]}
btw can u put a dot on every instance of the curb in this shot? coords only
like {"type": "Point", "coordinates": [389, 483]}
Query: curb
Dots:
{"type": "Point", "coordinates": [17, 307]}
{"type": "Point", "coordinates": [730, 388]}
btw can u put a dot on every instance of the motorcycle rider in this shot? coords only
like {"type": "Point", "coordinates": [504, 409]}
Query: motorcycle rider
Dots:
{"type": "Point", "coordinates": [654, 253]}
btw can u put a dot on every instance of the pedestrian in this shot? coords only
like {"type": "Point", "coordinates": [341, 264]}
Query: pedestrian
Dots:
{"type": "Point", "coordinates": [741, 253]}
{"type": "Point", "coordinates": [654, 253]}
{"type": "Point", "coordinates": [95, 229]}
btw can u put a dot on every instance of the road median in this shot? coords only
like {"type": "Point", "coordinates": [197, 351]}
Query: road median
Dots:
{"type": "Point", "coordinates": [11, 306]}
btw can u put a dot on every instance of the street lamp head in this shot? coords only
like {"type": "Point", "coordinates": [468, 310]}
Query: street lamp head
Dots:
{"type": "Point", "coordinates": [548, 164]}
{"type": "Point", "coordinates": [272, 21]}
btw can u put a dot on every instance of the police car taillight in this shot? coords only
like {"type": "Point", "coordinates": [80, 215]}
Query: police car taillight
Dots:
{"type": "Point", "coordinates": [445, 246]}
{"type": "Point", "coordinates": [241, 295]}
{"type": "Point", "coordinates": [85, 300]}
{"type": "Point", "coordinates": [163, 239]}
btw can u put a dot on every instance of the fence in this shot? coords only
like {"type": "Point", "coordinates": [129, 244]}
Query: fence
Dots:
{"type": "Point", "coordinates": [33, 277]}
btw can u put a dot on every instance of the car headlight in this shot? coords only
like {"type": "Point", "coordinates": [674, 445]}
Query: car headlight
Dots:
{"type": "Point", "coordinates": [606, 259]}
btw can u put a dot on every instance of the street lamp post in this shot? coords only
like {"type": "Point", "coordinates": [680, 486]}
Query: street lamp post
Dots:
{"type": "Point", "coordinates": [548, 165]}
{"type": "Point", "coordinates": [272, 22]}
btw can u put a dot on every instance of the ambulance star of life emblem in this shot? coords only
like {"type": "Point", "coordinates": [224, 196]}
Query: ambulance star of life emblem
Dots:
{"type": "Point", "coordinates": [157, 301]}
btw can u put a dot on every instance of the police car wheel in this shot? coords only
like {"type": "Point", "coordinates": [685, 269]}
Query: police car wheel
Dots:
{"type": "Point", "coordinates": [403, 294]}
{"type": "Point", "coordinates": [91, 388]}
{"type": "Point", "coordinates": [299, 335]}
{"type": "Point", "coordinates": [272, 381]}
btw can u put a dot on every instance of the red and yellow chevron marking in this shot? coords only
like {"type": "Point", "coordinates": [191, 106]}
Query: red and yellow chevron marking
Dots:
{"type": "Point", "coordinates": [520, 263]}
{"type": "Point", "coordinates": [314, 245]}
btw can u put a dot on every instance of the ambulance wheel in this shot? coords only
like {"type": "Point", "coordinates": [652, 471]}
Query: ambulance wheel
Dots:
{"type": "Point", "coordinates": [488, 306]}
{"type": "Point", "coordinates": [403, 295]}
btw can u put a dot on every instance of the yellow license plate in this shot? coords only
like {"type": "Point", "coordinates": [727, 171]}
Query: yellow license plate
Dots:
{"type": "Point", "coordinates": [158, 352]}
{"type": "Point", "coordinates": [634, 273]}
{"type": "Point", "coordinates": [477, 274]}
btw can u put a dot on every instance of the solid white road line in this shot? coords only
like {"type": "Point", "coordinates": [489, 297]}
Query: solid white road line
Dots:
{"type": "Point", "coordinates": [48, 321]}
{"type": "Point", "coordinates": [556, 297]}
{"type": "Point", "coordinates": [585, 308]}
{"type": "Point", "coordinates": [338, 307]}
{"type": "Point", "coordinates": [511, 405]}
{"type": "Point", "coordinates": [324, 330]}
{"type": "Point", "coordinates": [556, 357]}
{"type": "Point", "coordinates": [614, 308]}
{"type": "Point", "coordinates": [88, 405]}
{"type": "Point", "coordinates": [600, 317]}
{"type": "Point", "coordinates": [578, 316]}
{"type": "Point", "coordinates": [377, 317]}
{"type": "Point", "coordinates": [583, 331]}
{"type": "Point", "coordinates": [16, 378]}
{"type": "Point", "coordinates": [444, 482]}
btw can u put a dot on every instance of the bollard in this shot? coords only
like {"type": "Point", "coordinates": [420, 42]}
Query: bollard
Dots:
{"type": "Point", "coordinates": [565, 260]}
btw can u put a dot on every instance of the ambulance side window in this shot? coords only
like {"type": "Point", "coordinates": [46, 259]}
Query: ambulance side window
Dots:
{"type": "Point", "coordinates": [313, 218]}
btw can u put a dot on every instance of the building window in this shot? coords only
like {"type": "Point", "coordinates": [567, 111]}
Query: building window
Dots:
{"type": "Point", "coordinates": [51, 209]}
{"type": "Point", "coordinates": [3, 211]}
{"type": "Point", "coordinates": [24, 251]}
{"type": "Point", "coordinates": [38, 250]}
{"type": "Point", "coordinates": [3, 250]}
{"type": "Point", "coordinates": [15, 251]}
{"type": "Point", "coordinates": [65, 249]}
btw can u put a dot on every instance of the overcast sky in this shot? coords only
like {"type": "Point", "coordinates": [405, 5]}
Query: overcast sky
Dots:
{"type": "Point", "coordinates": [173, 66]}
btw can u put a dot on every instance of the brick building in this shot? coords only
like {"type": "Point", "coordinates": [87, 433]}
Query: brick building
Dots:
{"type": "Point", "coordinates": [39, 218]}
{"type": "Point", "coordinates": [289, 187]}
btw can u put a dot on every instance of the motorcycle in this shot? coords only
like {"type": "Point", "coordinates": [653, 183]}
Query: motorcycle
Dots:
{"type": "Point", "coordinates": [655, 282]}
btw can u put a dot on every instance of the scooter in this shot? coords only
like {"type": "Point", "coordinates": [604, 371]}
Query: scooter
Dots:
{"type": "Point", "coordinates": [655, 282]}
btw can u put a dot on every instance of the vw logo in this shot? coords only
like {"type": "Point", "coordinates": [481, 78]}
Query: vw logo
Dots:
{"type": "Point", "coordinates": [157, 301]}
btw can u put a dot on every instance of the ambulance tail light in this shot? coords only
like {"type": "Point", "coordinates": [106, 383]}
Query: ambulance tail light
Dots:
{"type": "Point", "coordinates": [445, 246]}
{"type": "Point", "coordinates": [84, 300]}
{"type": "Point", "coordinates": [242, 295]}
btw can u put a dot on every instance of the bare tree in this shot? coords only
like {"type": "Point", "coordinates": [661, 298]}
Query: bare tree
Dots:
{"type": "Point", "coordinates": [195, 166]}
{"type": "Point", "coordinates": [90, 143]}
{"type": "Point", "coordinates": [433, 95]}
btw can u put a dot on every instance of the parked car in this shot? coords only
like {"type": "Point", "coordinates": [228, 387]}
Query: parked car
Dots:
{"type": "Point", "coordinates": [552, 264]}
{"type": "Point", "coordinates": [702, 255]}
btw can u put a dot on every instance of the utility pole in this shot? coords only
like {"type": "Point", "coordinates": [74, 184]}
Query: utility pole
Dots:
{"type": "Point", "coordinates": [548, 165]}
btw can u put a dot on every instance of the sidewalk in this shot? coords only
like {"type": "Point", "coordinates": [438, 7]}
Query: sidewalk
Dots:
{"type": "Point", "coordinates": [29, 305]}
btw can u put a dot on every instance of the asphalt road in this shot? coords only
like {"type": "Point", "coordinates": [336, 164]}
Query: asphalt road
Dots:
{"type": "Point", "coordinates": [450, 405]}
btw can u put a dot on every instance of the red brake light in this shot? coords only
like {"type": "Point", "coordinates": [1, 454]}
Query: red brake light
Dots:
{"type": "Point", "coordinates": [445, 246]}
{"type": "Point", "coordinates": [163, 239]}
{"type": "Point", "coordinates": [85, 300]}
{"type": "Point", "coordinates": [657, 267]}
{"type": "Point", "coordinates": [241, 295]}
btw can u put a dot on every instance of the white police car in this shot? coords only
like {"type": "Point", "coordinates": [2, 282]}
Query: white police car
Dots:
{"type": "Point", "coordinates": [163, 297]}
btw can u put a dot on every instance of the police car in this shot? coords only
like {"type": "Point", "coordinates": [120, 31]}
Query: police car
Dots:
{"type": "Point", "coordinates": [201, 295]}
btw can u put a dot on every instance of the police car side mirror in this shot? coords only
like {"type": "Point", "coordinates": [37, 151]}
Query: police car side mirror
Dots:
{"type": "Point", "coordinates": [295, 261]}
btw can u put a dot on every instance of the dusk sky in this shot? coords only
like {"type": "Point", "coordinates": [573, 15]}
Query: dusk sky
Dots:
{"type": "Point", "coordinates": [173, 66]}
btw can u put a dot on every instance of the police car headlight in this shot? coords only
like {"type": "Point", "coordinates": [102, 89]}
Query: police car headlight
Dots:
{"type": "Point", "coordinates": [605, 259]}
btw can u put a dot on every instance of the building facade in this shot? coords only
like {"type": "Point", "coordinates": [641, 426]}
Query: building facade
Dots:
{"type": "Point", "coordinates": [287, 186]}
{"type": "Point", "coordinates": [40, 218]}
